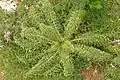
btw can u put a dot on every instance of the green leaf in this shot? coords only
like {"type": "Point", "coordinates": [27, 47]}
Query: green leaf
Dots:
{"type": "Point", "coordinates": [48, 61]}
{"type": "Point", "coordinates": [116, 61]}
{"type": "Point", "coordinates": [92, 54]}
{"type": "Point", "coordinates": [44, 33]}
{"type": "Point", "coordinates": [99, 41]}
{"type": "Point", "coordinates": [75, 19]}
{"type": "Point", "coordinates": [65, 58]}
{"type": "Point", "coordinates": [96, 4]}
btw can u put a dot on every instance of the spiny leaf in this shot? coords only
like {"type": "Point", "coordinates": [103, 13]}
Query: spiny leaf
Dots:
{"type": "Point", "coordinates": [44, 33]}
{"type": "Point", "coordinates": [75, 19]}
{"type": "Point", "coordinates": [49, 12]}
{"type": "Point", "coordinates": [66, 59]}
{"type": "Point", "coordinates": [92, 54]}
{"type": "Point", "coordinates": [44, 65]}
{"type": "Point", "coordinates": [50, 32]}
{"type": "Point", "coordinates": [99, 41]}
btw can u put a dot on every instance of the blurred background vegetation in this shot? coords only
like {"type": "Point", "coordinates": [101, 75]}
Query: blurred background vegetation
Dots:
{"type": "Point", "coordinates": [99, 28]}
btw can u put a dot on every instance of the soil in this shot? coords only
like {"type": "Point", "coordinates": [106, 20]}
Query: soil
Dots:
{"type": "Point", "coordinates": [92, 73]}
{"type": "Point", "coordinates": [1, 76]}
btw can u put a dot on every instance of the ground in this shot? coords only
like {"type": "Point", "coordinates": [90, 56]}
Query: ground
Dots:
{"type": "Point", "coordinates": [1, 75]}
{"type": "Point", "coordinates": [92, 73]}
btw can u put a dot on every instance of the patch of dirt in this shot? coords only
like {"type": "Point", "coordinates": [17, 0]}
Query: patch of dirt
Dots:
{"type": "Point", "coordinates": [92, 73]}
{"type": "Point", "coordinates": [1, 76]}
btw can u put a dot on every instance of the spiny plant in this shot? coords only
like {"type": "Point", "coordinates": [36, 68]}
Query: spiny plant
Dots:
{"type": "Point", "coordinates": [40, 50]}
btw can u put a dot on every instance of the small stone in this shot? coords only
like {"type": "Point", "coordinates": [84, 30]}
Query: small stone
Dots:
{"type": "Point", "coordinates": [116, 41]}
{"type": "Point", "coordinates": [112, 65]}
{"type": "Point", "coordinates": [8, 6]}
{"type": "Point", "coordinates": [7, 35]}
{"type": "Point", "coordinates": [26, 7]}
{"type": "Point", "coordinates": [1, 46]}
